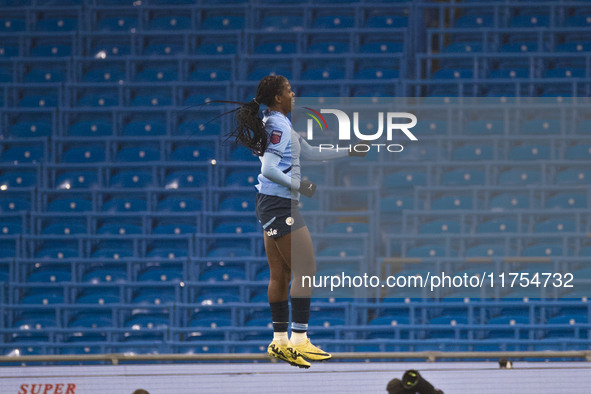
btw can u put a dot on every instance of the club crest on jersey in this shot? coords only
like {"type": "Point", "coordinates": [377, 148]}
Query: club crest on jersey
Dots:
{"type": "Point", "coordinates": [276, 136]}
{"type": "Point", "coordinates": [289, 221]}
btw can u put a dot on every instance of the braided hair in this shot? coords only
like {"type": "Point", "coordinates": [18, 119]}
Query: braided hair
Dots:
{"type": "Point", "coordinates": [250, 131]}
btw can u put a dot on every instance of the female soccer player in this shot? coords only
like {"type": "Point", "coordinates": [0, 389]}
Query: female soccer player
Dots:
{"type": "Point", "coordinates": [288, 244]}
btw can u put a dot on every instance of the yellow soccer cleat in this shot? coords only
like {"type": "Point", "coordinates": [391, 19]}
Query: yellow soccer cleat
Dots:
{"type": "Point", "coordinates": [311, 352]}
{"type": "Point", "coordinates": [288, 354]}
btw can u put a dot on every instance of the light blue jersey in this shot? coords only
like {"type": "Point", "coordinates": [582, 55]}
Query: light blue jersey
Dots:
{"type": "Point", "coordinates": [285, 143]}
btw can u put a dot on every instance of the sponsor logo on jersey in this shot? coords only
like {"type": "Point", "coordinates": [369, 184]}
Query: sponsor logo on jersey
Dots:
{"type": "Point", "coordinates": [276, 136]}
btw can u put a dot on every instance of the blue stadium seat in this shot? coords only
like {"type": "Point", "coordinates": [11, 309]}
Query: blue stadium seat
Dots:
{"type": "Point", "coordinates": [151, 100]}
{"type": "Point", "coordinates": [520, 177]}
{"type": "Point", "coordinates": [125, 205]}
{"type": "Point", "coordinates": [105, 74]}
{"type": "Point", "coordinates": [218, 296]}
{"type": "Point", "coordinates": [105, 275]}
{"type": "Point", "coordinates": [473, 152]}
{"type": "Point", "coordinates": [218, 48]}
{"type": "Point", "coordinates": [578, 152]}
{"type": "Point", "coordinates": [98, 100]}
{"type": "Point", "coordinates": [65, 228]}
{"type": "Point", "coordinates": [386, 21]}
{"type": "Point", "coordinates": [111, 49]}
{"type": "Point", "coordinates": [99, 296]}
{"type": "Point", "coordinates": [555, 226]}
{"type": "Point", "coordinates": [347, 228]}
{"type": "Point", "coordinates": [522, 21]}
{"type": "Point", "coordinates": [193, 153]}
{"type": "Point", "coordinates": [52, 50]}
{"type": "Point", "coordinates": [180, 204]}
{"type": "Point", "coordinates": [463, 177]}
{"type": "Point", "coordinates": [242, 154]}
{"type": "Point", "coordinates": [161, 274]}
{"type": "Point", "coordinates": [458, 202]}
{"type": "Point", "coordinates": [530, 152]}
{"type": "Point", "coordinates": [510, 201]}
{"type": "Point", "coordinates": [39, 101]}
{"type": "Point", "coordinates": [226, 22]}
{"type": "Point", "coordinates": [140, 321]}
{"type": "Point", "coordinates": [405, 179]}
{"type": "Point", "coordinates": [277, 48]}
{"type": "Point", "coordinates": [90, 128]}
{"type": "Point", "coordinates": [328, 47]}
{"type": "Point", "coordinates": [567, 200]}
{"type": "Point", "coordinates": [539, 126]}
{"type": "Point", "coordinates": [223, 274]}
{"type": "Point", "coordinates": [119, 23]}
{"type": "Point", "coordinates": [11, 228]}
{"type": "Point", "coordinates": [119, 229]}
{"type": "Point", "coordinates": [18, 179]}
{"type": "Point", "coordinates": [24, 154]}
{"type": "Point", "coordinates": [70, 205]}
{"type": "Point", "coordinates": [543, 249]}
{"type": "Point", "coordinates": [132, 179]}
{"type": "Point", "coordinates": [283, 22]}
{"type": "Point", "coordinates": [157, 74]}
{"type": "Point", "coordinates": [115, 253]}
{"type": "Point", "coordinates": [14, 204]}
{"type": "Point", "coordinates": [85, 154]}
{"type": "Point", "coordinates": [509, 73]}
{"type": "Point", "coordinates": [235, 227]}
{"type": "Point", "coordinates": [323, 73]}
{"type": "Point", "coordinates": [237, 204]}
{"type": "Point", "coordinates": [154, 296]}
{"type": "Point", "coordinates": [206, 74]}
{"type": "Point", "coordinates": [144, 128]}
{"type": "Point", "coordinates": [459, 73]}
{"type": "Point", "coordinates": [497, 226]}
{"type": "Point", "coordinates": [486, 251]}
{"type": "Point", "coordinates": [573, 176]}
{"type": "Point", "coordinates": [224, 252]}
{"type": "Point", "coordinates": [333, 22]}
{"type": "Point", "coordinates": [174, 229]}
{"type": "Point", "coordinates": [45, 75]}
{"type": "Point", "coordinates": [138, 154]}
{"type": "Point", "coordinates": [242, 178]}
{"type": "Point", "coordinates": [492, 127]}
{"type": "Point", "coordinates": [429, 251]}
{"type": "Point", "coordinates": [170, 23]}
{"type": "Point", "coordinates": [580, 20]}
{"type": "Point", "coordinates": [77, 180]}
{"type": "Point", "coordinates": [440, 227]}
{"type": "Point", "coordinates": [12, 24]}
{"type": "Point", "coordinates": [50, 275]}
{"type": "Point", "coordinates": [57, 24]}
{"type": "Point", "coordinates": [59, 252]}
{"type": "Point", "coordinates": [520, 47]}
{"type": "Point", "coordinates": [186, 179]}
{"type": "Point", "coordinates": [474, 21]}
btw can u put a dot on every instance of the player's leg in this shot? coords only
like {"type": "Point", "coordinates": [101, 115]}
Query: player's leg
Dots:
{"type": "Point", "coordinates": [298, 252]}
{"type": "Point", "coordinates": [278, 289]}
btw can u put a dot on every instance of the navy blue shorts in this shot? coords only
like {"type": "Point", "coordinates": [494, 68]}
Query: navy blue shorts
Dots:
{"type": "Point", "coordinates": [279, 216]}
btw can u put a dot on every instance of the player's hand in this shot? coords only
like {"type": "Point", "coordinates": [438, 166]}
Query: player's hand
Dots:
{"type": "Point", "coordinates": [362, 149]}
{"type": "Point", "coordinates": [307, 188]}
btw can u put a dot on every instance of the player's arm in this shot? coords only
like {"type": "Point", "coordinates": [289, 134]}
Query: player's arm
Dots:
{"type": "Point", "coordinates": [270, 170]}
